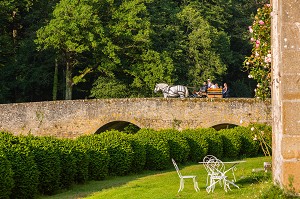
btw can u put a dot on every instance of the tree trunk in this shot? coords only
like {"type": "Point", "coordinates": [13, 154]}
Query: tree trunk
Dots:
{"type": "Point", "coordinates": [69, 82]}
{"type": "Point", "coordinates": [55, 81]}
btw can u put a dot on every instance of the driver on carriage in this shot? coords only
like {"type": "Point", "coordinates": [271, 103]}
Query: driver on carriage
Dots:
{"type": "Point", "coordinates": [202, 91]}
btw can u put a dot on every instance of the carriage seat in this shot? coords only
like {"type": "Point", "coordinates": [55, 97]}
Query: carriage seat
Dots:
{"type": "Point", "coordinates": [214, 93]}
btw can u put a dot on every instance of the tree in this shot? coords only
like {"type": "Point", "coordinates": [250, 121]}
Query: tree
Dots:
{"type": "Point", "coordinates": [259, 63]}
{"type": "Point", "coordinates": [23, 78]}
{"type": "Point", "coordinates": [131, 59]}
{"type": "Point", "coordinates": [201, 45]}
{"type": "Point", "coordinates": [241, 15]}
{"type": "Point", "coordinates": [114, 48]}
{"type": "Point", "coordinates": [74, 29]}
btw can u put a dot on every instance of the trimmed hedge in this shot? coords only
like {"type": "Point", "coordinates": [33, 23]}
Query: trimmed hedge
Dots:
{"type": "Point", "coordinates": [98, 157]}
{"type": "Point", "coordinates": [198, 145]}
{"type": "Point", "coordinates": [6, 177]}
{"type": "Point", "coordinates": [250, 147]}
{"type": "Point", "coordinates": [178, 145]}
{"type": "Point", "coordinates": [157, 149]}
{"type": "Point", "coordinates": [232, 142]}
{"type": "Point", "coordinates": [25, 173]}
{"type": "Point", "coordinates": [119, 149]}
{"type": "Point", "coordinates": [32, 165]}
{"type": "Point", "coordinates": [67, 163]}
{"type": "Point", "coordinates": [46, 156]}
{"type": "Point", "coordinates": [214, 140]}
{"type": "Point", "coordinates": [139, 154]}
{"type": "Point", "coordinates": [81, 154]}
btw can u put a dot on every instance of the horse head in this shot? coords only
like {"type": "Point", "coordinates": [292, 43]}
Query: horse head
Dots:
{"type": "Point", "coordinates": [160, 87]}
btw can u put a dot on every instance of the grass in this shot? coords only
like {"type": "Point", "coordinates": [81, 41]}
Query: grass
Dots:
{"type": "Point", "coordinates": [165, 184]}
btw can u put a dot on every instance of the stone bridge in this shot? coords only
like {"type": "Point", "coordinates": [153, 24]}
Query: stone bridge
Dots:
{"type": "Point", "coordinates": [70, 119]}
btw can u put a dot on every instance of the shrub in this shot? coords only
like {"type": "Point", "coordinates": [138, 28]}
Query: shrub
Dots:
{"type": "Point", "coordinates": [139, 154]}
{"type": "Point", "coordinates": [80, 152]}
{"type": "Point", "coordinates": [274, 191]}
{"type": "Point", "coordinates": [6, 177]}
{"type": "Point", "coordinates": [198, 145]}
{"type": "Point", "coordinates": [232, 141]}
{"type": "Point", "coordinates": [98, 157]}
{"type": "Point", "coordinates": [178, 145]}
{"type": "Point", "coordinates": [263, 135]}
{"type": "Point", "coordinates": [249, 146]}
{"type": "Point", "coordinates": [214, 140]}
{"type": "Point", "coordinates": [45, 150]}
{"type": "Point", "coordinates": [119, 149]}
{"type": "Point", "coordinates": [25, 172]}
{"type": "Point", "coordinates": [157, 149]}
{"type": "Point", "coordinates": [67, 163]}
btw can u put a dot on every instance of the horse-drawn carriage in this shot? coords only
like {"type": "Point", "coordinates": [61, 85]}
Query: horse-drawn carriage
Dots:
{"type": "Point", "coordinates": [182, 91]}
{"type": "Point", "coordinates": [172, 91]}
{"type": "Point", "coordinates": [209, 93]}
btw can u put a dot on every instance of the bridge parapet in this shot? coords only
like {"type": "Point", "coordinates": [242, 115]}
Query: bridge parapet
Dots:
{"type": "Point", "coordinates": [72, 118]}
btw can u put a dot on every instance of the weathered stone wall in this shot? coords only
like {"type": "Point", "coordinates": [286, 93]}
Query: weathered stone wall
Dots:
{"type": "Point", "coordinates": [78, 117]}
{"type": "Point", "coordinates": [286, 92]}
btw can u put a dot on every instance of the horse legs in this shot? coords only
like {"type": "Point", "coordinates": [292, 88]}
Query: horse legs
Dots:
{"type": "Point", "coordinates": [181, 94]}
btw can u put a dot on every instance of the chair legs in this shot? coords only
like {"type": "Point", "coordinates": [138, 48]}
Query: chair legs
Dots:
{"type": "Point", "coordinates": [182, 184]}
{"type": "Point", "coordinates": [196, 184]}
{"type": "Point", "coordinates": [226, 183]}
{"type": "Point", "coordinates": [211, 187]}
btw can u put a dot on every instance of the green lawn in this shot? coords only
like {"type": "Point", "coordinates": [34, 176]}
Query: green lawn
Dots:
{"type": "Point", "coordinates": [165, 184]}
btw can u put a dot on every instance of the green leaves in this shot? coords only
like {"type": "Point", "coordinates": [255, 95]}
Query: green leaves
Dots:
{"type": "Point", "coordinates": [109, 87]}
{"type": "Point", "coordinates": [259, 63]}
{"type": "Point", "coordinates": [204, 58]}
{"type": "Point", "coordinates": [137, 42]}
{"type": "Point", "coordinates": [72, 28]}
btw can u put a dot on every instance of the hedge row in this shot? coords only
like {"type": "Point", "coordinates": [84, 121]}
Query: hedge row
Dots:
{"type": "Point", "coordinates": [32, 165]}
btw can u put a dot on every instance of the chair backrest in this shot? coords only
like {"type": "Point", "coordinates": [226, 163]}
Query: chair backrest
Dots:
{"type": "Point", "coordinates": [215, 167]}
{"type": "Point", "coordinates": [176, 167]}
{"type": "Point", "coordinates": [207, 160]}
{"type": "Point", "coordinates": [208, 157]}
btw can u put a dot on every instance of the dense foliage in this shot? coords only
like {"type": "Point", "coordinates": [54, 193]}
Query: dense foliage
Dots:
{"type": "Point", "coordinates": [64, 49]}
{"type": "Point", "coordinates": [198, 145]}
{"type": "Point", "coordinates": [46, 156]}
{"type": "Point", "coordinates": [259, 63]}
{"type": "Point", "coordinates": [6, 177]}
{"type": "Point", "coordinates": [157, 149]}
{"type": "Point", "coordinates": [45, 165]}
{"type": "Point", "coordinates": [98, 157]}
{"type": "Point", "coordinates": [232, 143]}
{"type": "Point", "coordinates": [23, 164]}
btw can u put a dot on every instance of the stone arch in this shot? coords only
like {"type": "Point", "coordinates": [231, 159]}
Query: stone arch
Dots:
{"type": "Point", "coordinates": [233, 123]}
{"type": "Point", "coordinates": [119, 125]}
{"type": "Point", "coordinates": [224, 126]}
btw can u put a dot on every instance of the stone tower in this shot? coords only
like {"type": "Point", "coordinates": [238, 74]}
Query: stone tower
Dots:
{"type": "Point", "coordinates": [286, 93]}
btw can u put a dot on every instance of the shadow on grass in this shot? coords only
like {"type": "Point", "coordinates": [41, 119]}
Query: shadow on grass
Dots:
{"type": "Point", "coordinates": [78, 191]}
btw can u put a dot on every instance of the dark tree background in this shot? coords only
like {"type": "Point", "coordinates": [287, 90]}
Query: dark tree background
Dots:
{"type": "Point", "coordinates": [66, 49]}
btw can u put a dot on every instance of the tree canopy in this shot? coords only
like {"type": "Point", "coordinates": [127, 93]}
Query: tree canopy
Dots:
{"type": "Point", "coordinates": [112, 48]}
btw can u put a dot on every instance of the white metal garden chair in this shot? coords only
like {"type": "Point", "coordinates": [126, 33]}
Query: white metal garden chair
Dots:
{"type": "Point", "coordinates": [205, 160]}
{"type": "Point", "coordinates": [194, 177]}
{"type": "Point", "coordinates": [217, 174]}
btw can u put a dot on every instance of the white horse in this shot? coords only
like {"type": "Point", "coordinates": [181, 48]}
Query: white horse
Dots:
{"type": "Point", "coordinates": [172, 91]}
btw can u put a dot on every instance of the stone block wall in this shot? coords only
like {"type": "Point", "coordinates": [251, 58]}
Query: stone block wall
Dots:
{"type": "Point", "coordinates": [286, 93]}
{"type": "Point", "coordinates": [72, 118]}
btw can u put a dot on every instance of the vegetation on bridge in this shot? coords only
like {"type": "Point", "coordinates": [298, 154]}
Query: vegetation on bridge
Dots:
{"type": "Point", "coordinates": [44, 165]}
